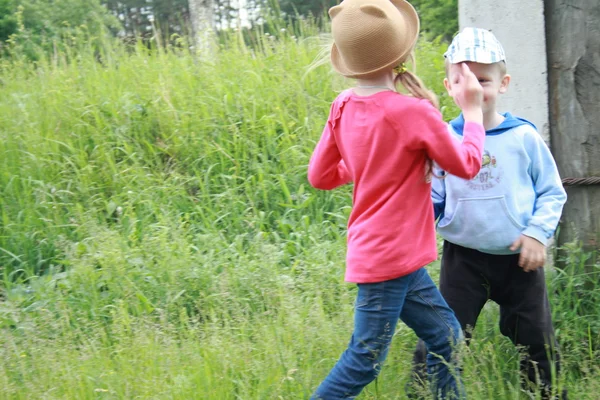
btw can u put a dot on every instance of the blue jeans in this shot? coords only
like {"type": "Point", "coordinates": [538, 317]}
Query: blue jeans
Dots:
{"type": "Point", "coordinates": [415, 300]}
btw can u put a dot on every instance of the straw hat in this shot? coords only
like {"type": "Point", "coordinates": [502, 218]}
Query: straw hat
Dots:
{"type": "Point", "coordinates": [372, 35]}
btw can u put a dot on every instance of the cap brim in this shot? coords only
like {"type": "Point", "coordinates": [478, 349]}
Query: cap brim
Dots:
{"type": "Point", "coordinates": [484, 58]}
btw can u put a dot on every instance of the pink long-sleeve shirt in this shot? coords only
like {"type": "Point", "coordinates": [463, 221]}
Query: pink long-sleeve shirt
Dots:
{"type": "Point", "coordinates": [382, 143]}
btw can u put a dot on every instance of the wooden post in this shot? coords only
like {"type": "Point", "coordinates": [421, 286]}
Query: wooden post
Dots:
{"type": "Point", "coordinates": [519, 26]}
{"type": "Point", "coordinates": [573, 54]}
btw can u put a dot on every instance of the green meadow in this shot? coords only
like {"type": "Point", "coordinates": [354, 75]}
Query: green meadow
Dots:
{"type": "Point", "coordinates": [159, 239]}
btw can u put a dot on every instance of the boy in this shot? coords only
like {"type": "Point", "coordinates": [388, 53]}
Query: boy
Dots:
{"type": "Point", "coordinates": [496, 226]}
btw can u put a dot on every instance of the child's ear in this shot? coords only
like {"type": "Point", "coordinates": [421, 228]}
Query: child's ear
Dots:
{"type": "Point", "coordinates": [447, 86]}
{"type": "Point", "coordinates": [504, 84]}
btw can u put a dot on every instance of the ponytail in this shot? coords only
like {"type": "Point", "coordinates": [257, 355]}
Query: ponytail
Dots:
{"type": "Point", "coordinates": [414, 85]}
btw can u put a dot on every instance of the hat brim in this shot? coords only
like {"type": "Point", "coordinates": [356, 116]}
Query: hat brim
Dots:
{"type": "Point", "coordinates": [484, 58]}
{"type": "Point", "coordinates": [411, 19]}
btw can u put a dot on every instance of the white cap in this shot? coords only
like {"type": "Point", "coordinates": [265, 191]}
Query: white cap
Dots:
{"type": "Point", "coordinates": [476, 45]}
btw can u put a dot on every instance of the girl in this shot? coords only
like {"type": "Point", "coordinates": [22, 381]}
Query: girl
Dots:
{"type": "Point", "coordinates": [383, 141]}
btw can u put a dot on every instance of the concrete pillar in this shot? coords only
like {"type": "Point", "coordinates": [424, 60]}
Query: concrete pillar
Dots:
{"type": "Point", "coordinates": [519, 25]}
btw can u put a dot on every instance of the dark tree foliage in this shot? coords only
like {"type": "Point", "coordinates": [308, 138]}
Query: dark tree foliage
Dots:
{"type": "Point", "coordinates": [8, 20]}
{"type": "Point", "coordinates": [314, 8]}
{"type": "Point", "coordinates": [439, 18]}
{"type": "Point", "coordinates": [143, 18]}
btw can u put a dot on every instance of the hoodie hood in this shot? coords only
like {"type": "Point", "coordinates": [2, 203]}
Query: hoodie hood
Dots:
{"type": "Point", "coordinates": [509, 123]}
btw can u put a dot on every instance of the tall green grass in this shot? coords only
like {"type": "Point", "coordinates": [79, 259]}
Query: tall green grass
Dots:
{"type": "Point", "coordinates": [159, 240]}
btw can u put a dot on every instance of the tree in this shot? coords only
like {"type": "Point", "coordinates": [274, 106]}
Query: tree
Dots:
{"type": "Point", "coordinates": [141, 18]}
{"type": "Point", "coordinates": [439, 18]}
{"type": "Point", "coordinates": [8, 21]}
{"type": "Point", "coordinates": [38, 24]}
{"type": "Point", "coordinates": [201, 17]}
{"type": "Point", "coordinates": [58, 17]}
{"type": "Point", "coordinates": [314, 8]}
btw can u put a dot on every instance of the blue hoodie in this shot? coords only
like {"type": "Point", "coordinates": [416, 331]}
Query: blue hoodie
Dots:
{"type": "Point", "coordinates": [518, 191]}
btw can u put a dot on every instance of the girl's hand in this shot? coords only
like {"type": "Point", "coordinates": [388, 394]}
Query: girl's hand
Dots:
{"type": "Point", "coordinates": [467, 92]}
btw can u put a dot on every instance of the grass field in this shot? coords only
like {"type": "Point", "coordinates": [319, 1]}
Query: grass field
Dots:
{"type": "Point", "coordinates": [159, 240]}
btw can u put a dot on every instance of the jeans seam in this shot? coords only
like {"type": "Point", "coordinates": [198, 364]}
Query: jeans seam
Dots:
{"type": "Point", "coordinates": [415, 283]}
{"type": "Point", "coordinates": [380, 296]}
{"type": "Point", "coordinates": [436, 312]}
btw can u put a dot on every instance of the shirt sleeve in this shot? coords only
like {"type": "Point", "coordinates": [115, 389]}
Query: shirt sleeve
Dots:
{"type": "Point", "coordinates": [326, 169]}
{"type": "Point", "coordinates": [549, 191]}
{"type": "Point", "coordinates": [431, 134]}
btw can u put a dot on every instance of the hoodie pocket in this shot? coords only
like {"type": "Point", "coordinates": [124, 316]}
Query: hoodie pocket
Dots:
{"type": "Point", "coordinates": [481, 223]}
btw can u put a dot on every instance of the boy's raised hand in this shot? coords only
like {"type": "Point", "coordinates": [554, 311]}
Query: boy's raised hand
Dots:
{"type": "Point", "coordinates": [533, 253]}
{"type": "Point", "coordinates": [466, 91]}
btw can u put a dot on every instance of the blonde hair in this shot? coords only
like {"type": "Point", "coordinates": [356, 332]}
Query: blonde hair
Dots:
{"type": "Point", "coordinates": [414, 84]}
{"type": "Point", "coordinates": [408, 79]}
{"type": "Point", "coordinates": [417, 88]}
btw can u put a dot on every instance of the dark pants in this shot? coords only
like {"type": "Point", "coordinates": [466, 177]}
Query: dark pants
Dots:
{"type": "Point", "coordinates": [470, 278]}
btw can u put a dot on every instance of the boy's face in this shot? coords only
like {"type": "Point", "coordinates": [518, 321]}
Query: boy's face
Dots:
{"type": "Point", "coordinates": [492, 78]}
